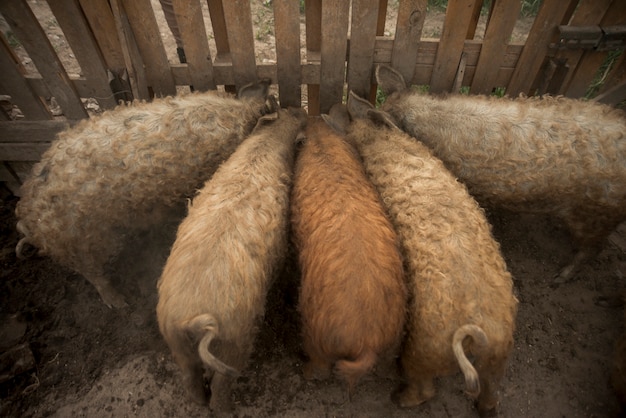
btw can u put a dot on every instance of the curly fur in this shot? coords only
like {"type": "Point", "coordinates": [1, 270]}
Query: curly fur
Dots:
{"type": "Point", "coordinates": [352, 295]}
{"type": "Point", "coordinates": [550, 155]}
{"type": "Point", "coordinates": [224, 257]}
{"type": "Point", "coordinates": [124, 171]}
{"type": "Point", "coordinates": [455, 271]}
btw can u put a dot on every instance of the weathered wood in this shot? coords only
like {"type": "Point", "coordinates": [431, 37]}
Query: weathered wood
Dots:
{"type": "Point", "coordinates": [333, 53]}
{"type": "Point", "coordinates": [543, 32]}
{"type": "Point", "coordinates": [148, 37]}
{"type": "Point", "coordinates": [614, 95]}
{"type": "Point", "coordinates": [455, 26]}
{"type": "Point", "coordinates": [313, 16]}
{"type": "Point", "coordinates": [471, 30]}
{"type": "Point", "coordinates": [617, 74]}
{"type": "Point", "coordinates": [589, 12]}
{"type": "Point", "coordinates": [32, 131]}
{"type": "Point", "coordinates": [100, 18]}
{"type": "Point", "coordinates": [241, 39]}
{"type": "Point", "coordinates": [591, 61]}
{"type": "Point", "coordinates": [24, 24]}
{"type": "Point", "coordinates": [132, 58]}
{"type": "Point", "coordinates": [15, 85]}
{"type": "Point", "coordinates": [71, 20]}
{"type": "Point", "coordinates": [411, 16]}
{"type": "Point", "coordinates": [362, 42]}
{"type": "Point", "coordinates": [196, 43]}
{"type": "Point", "coordinates": [287, 31]}
{"type": "Point", "coordinates": [501, 23]}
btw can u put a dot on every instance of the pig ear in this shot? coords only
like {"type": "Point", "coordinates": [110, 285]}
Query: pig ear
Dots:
{"type": "Point", "coordinates": [382, 118]}
{"type": "Point", "coordinates": [358, 107]}
{"type": "Point", "coordinates": [389, 80]}
{"type": "Point", "coordinates": [271, 104]}
{"type": "Point", "coordinates": [338, 118]}
{"type": "Point", "coordinates": [266, 119]}
{"type": "Point", "coordinates": [255, 90]}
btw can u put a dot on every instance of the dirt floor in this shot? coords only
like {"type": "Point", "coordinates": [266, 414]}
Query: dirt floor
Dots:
{"type": "Point", "coordinates": [91, 361]}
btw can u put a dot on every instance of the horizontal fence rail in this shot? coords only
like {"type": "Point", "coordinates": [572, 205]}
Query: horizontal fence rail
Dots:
{"type": "Point", "coordinates": [322, 48]}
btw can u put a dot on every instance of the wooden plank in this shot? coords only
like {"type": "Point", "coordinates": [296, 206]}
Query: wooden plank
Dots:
{"type": "Point", "coordinates": [501, 23]}
{"type": "Point", "coordinates": [544, 31]}
{"type": "Point", "coordinates": [148, 37]}
{"type": "Point", "coordinates": [591, 61]}
{"type": "Point", "coordinates": [362, 42]}
{"type": "Point", "coordinates": [102, 23]}
{"type": "Point", "coordinates": [25, 26]}
{"type": "Point", "coordinates": [411, 16]}
{"type": "Point", "coordinates": [614, 95]}
{"type": "Point", "coordinates": [196, 43]}
{"type": "Point", "coordinates": [26, 151]}
{"type": "Point", "coordinates": [15, 85]}
{"type": "Point", "coordinates": [75, 29]}
{"type": "Point", "coordinates": [132, 57]}
{"type": "Point", "coordinates": [287, 32]}
{"type": "Point", "coordinates": [99, 15]}
{"type": "Point", "coordinates": [471, 30]}
{"type": "Point", "coordinates": [218, 22]}
{"type": "Point", "coordinates": [617, 74]}
{"type": "Point", "coordinates": [333, 52]}
{"type": "Point", "coordinates": [313, 16]}
{"type": "Point", "coordinates": [31, 131]}
{"type": "Point", "coordinates": [238, 17]}
{"type": "Point", "coordinates": [588, 13]}
{"type": "Point", "coordinates": [455, 26]}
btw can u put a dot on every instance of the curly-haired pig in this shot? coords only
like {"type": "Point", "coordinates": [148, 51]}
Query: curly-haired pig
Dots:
{"type": "Point", "coordinates": [461, 301]}
{"type": "Point", "coordinates": [352, 295]}
{"type": "Point", "coordinates": [551, 155]}
{"type": "Point", "coordinates": [213, 288]}
{"type": "Point", "coordinates": [127, 170]}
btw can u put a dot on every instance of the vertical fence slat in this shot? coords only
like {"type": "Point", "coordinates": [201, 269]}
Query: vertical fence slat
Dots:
{"type": "Point", "coordinates": [241, 39]}
{"type": "Point", "coordinates": [220, 35]}
{"type": "Point", "coordinates": [501, 23]}
{"type": "Point", "coordinates": [287, 31]}
{"type": "Point", "coordinates": [458, 18]}
{"type": "Point", "coordinates": [551, 14]}
{"type": "Point", "coordinates": [15, 85]}
{"type": "Point", "coordinates": [71, 20]}
{"type": "Point", "coordinates": [33, 38]}
{"type": "Point", "coordinates": [333, 55]}
{"type": "Point", "coordinates": [132, 57]}
{"type": "Point", "coordinates": [592, 60]}
{"type": "Point", "coordinates": [100, 18]}
{"type": "Point", "coordinates": [196, 43]}
{"type": "Point", "coordinates": [588, 13]}
{"type": "Point", "coordinates": [313, 12]}
{"type": "Point", "coordinates": [411, 16]}
{"type": "Point", "coordinates": [148, 38]}
{"type": "Point", "coordinates": [362, 39]}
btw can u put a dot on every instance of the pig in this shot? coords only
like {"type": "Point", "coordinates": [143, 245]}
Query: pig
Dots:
{"type": "Point", "coordinates": [461, 297]}
{"type": "Point", "coordinates": [352, 298]}
{"type": "Point", "coordinates": [551, 155]}
{"type": "Point", "coordinates": [128, 170]}
{"type": "Point", "coordinates": [213, 288]}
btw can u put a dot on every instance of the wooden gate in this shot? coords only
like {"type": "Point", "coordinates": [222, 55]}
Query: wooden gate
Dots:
{"type": "Point", "coordinates": [322, 49]}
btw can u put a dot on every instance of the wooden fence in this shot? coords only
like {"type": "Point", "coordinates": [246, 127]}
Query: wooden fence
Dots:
{"type": "Point", "coordinates": [342, 42]}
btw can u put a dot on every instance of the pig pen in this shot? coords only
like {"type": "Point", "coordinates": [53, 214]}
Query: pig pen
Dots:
{"type": "Point", "coordinates": [92, 361]}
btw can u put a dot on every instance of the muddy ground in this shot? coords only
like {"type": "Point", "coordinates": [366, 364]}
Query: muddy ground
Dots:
{"type": "Point", "coordinates": [92, 361]}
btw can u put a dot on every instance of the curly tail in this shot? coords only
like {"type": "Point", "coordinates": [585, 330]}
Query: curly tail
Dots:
{"type": "Point", "coordinates": [472, 382]}
{"type": "Point", "coordinates": [352, 370]}
{"type": "Point", "coordinates": [19, 248]}
{"type": "Point", "coordinates": [206, 325]}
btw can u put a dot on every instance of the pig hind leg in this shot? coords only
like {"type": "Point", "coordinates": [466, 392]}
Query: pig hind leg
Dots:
{"type": "Point", "coordinates": [97, 277]}
{"type": "Point", "coordinates": [490, 372]}
{"type": "Point", "coordinates": [419, 378]}
{"type": "Point", "coordinates": [191, 368]}
{"type": "Point", "coordinates": [319, 366]}
{"type": "Point", "coordinates": [236, 356]}
{"type": "Point", "coordinates": [590, 230]}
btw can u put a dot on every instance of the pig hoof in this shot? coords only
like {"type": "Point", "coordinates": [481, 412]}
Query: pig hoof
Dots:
{"type": "Point", "coordinates": [409, 398]}
{"type": "Point", "coordinates": [114, 300]}
{"type": "Point", "coordinates": [313, 372]}
{"type": "Point", "coordinates": [484, 411]}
